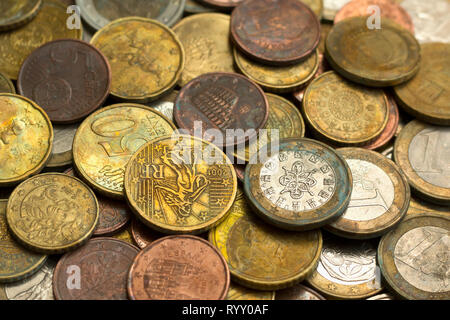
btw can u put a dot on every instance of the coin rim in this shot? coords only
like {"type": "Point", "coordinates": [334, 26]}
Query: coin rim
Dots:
{"type": "Point", "coordinates": [24, 19]}
{"type": "Point", "coordinates": [9, 83]}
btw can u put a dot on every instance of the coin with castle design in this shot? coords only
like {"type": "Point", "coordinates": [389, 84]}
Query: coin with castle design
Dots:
{"type": "Point", "coordinates": [237, 292]}
{"type": "Point", "coordinates": [6, 86]}
{"type": "Point", "coordinates": [107, 139]}
{"type": "Point", "coordinates": [302, 184]}
{"type": "Point", "coordinates": [15, 13]}
{"type": "Point", "coordinates": [414, 257]}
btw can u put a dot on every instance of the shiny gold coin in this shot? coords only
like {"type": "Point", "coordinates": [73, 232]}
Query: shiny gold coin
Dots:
{"type": "Point", "coordinates": [52, 213]}
{"type": "Point", "coordinates": [206, 41]}
{"type": "Point", "coordinates": [343, 112]}
{"type": "Point", "coordinates": [48, 25]}
{"type": "Point", "coordinates": [14, 13]}
{"type": "Point", "coordinates": [6, 86]}
{"type": "Point", "coordinates": [237, 292]}
{"type": "Point", "coordinates": [107, 139]}
{"type": "Point", "coordinates": [146, 58]}
{"type": "Point", "coordinates": [263, 257]}
{"type": "Point", "coordinates": [427, 95]}
{"type": "Point", "coordinates": [417, 206]}
{"type": "Point", "coordinates": [26, 139]}
{"type": "Point", "coordinates": [180, 184]}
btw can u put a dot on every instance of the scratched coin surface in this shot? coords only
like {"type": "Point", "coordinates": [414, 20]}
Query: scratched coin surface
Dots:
{"type": "Point", "coordinates": [146, 58]}
{"type": "Point", "coordinates": [237, 292]}
{"type": "Point", "coordinates": [277, 32]}
{"type": "Point", "coordinates": [16, 262]}
{"type": "Point", "coordinates": [103, 264]}
{"type": "Point", "coordinates": [14, 13]}
{"type": "Point", "coordinates": [142, 234]}
{"type": "Point", "coordinates": [347, 269]}
{"type": "Point", "coordinates": [48, 25]}
{"type": "Point", "coordinates": [423, 154]}
{"type": "Point", "coordinates": [206, 41]}
{"type": "Point", "coordinates": [68, 78]}
{"type": "Point", "coordinates": [374, 57]}
{"type": "Point", "coordinates": [343, 112]}
{"type": "Point", "coordinates": [62, 145]}
{"type": "Point", "coordinates": [107, 139]}
{"type": "Point", "coordinates": [52, 213]}
{"type": "Point", "coordinates": [427, 95]}
{"type": "Point", "coordinates": [263, 257]}
{"type": "Point", "coordinates": [298, 292]}
{"type": "Point", "coordinates": [179, 268]}
{"type": "Point", "coordinates": [26, 139]}
{"type": "Point", "coordinates": [6, 86]}
{"type": "Point", "coordinates": [414, 257]}
{"type": "Point", "coordinates": [180, 184]}
{"type": "Point", "coordinates": [380, 196]}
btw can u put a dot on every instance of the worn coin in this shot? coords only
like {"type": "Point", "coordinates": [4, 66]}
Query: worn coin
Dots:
{"type": "Point", "coordinates": [418, 206]}
{"type": "Point", "coordinates": [146, 58]}
{"type": "Point", "coordinates": [62, 145]}
{"type": "Point", "coordinates": [237, 292]}
{"type": "Point", "coordinates": [194, 6]}
{"type": "Point", "coordinates": [165, 104]}
{"type": "Point", "coordinates": [142, 234]}
{"type": "Point", "coordinates": [179, 268]}
{"type": "Point", "coordinates": [414, 257]}
{"type": "Point", "coordinates": [6, 86]}
{"type": "Point", "coordinates": [298, 292]}
{"type": "Point", "coordinates": [15, 13]}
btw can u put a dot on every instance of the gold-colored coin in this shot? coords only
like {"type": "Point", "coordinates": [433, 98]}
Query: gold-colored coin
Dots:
{"type": "Point", "coordinates": [52, 213]}
{"type": "Point", "coordinates": [107, 139]}
{"type": "Point", "coordinates": [237, 292]}
{"type": "Point", "coordinates": [325, 29]}
{"type": "Point", "coordinates": [427, 95]}
{"type": "Point", "coordinates": [206, 41]}
{"type": "Point", "coordinates": [316, 6]}
{"type": "Point", "coordinates": [48, 25]}
{"type": "Point", "coordinates": [345, 113]}
{"type": "Point", "coordinates": [125, 235]}
{"type": "Point", "coordinates": [417, 206]}
{"type": "Point", "coordinates": [180, 184]}
{"type": "Point", "coordinates": [26, 139]}
{"type": "Point", "coordinates": [14, 13]}
{"type": "Point", "coordinates": [278, 79]}
{"type": "Point", "coordinates": [6, 86]}
{"type": "Point", "coordinates": [263, 257]}
{"type": "Point", "coordinates": [146, 58]}
{"type": "Point", "coordinates": [16, 262]}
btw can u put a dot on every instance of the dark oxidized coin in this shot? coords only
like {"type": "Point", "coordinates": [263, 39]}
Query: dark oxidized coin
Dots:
{"type": "Point", "coordinates": [142, 234]}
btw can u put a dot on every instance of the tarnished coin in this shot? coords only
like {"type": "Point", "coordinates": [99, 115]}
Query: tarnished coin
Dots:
{"type": "Point", "coordinates": [98, 13]}
{"type": "Point", "coordinates": [180, 184]}
{"type": "Point", "coordinates": [142, 234]}
{"type": "Point", "coordinates": [68, 78]}
{"type": "Point", "coordinates": [298, 292]}
{"type": "Point", "coordinates": [383, 296]}
{"type": "Point", "coordinates": [26, 139]}
{"type": "Point", "coordinates": [427, 95]}
{"type": "Point", "coordinates": [52, 213]}
{"type": "Point", "coordinates": [6, 86]}
{"type": "Point", "coordinates": [15, 13]}
{"type": "Point", "coordinates": [48, 25]}
{"type": "Point", "coordinates": [206, 41]}
{"type": "Point", "coordinates": [263, 257]}
{"type": "Point", "coordinates": [237, 292]}
{"type": "Point", "coordinates": [347, 269]}
{"type": "Point", "coordinates": [107, 139]}
{"type": "Point", "coordinates": [146, 58]}
{"type": "Point", "coordinates": [414, 257]}
{"type": "Point", "coordinates": [375, 57]}
{"type": "Point", "coordinates": [194, 6]}
{"type": "Point", "coordinates": [423, 154]}
{"type": "Point", "coordinates": [380, 196]}
{"type": "Point", "coordinates": [343, 112]}
{"type": "Point", "coordinates": [417, 206]}
{"type": "Point", "coordinates": [277, 32]}
{"type": "Point", "coordinates": [223, 4]}
{"type": "Point", "coordinates": [16, 262]}
{"type": "Point", "coordinates": [165, 104]}
{"type": "Point", "coordinates": [62, 145]}
{"type": "Point", "coordinates": [102, 265]}
{"type": "Point", "coordinates": [179, 268]}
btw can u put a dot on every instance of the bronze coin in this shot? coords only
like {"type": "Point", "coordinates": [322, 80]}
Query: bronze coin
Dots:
{"type": "Point", "coordinates": [101, 267]}
{"type": "Point", "coordinates": [278, 32]}
{"type": "Point", "coordinates": [68, 78]}
{"type": "Point", "coordinates": [221, 101]}
{"type": "Point", "coordinates": [179, 268]}
{"type": "Point", "coordinates": [142, 234]}
{"type": "Point", "coordinates": [240, 171]}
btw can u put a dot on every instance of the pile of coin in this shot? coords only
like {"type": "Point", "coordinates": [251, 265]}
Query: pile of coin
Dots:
{"type": "Point", "coordinates": [224, 149]}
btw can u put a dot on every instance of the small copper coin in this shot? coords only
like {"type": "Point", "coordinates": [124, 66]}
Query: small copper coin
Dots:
{"type": "Point", "coordinates": [142, 234]}
{"type": "Point", "coordinates": [68, 78]}
{"type": "Point", "coordinates": [223, 4]}
{"type": "Point", "coordinates": [179, 268]}
{"type": "Point", "coordinates": [103, 265]}
{"type": "Point", "coordinates": [277, 32]}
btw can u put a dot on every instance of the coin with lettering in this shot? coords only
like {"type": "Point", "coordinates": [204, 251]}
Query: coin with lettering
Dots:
{"type": "Point", "coordinates": [298, 292]}
{"type": "Point", "coordinates": [142, 234]}
{"type": "Point", "coordinates": [343, 112]}
{"type": "Point", "coordinates": [374, 57]}
{"type": "Point", "coordinates": [49, 24]}
{"type": "Point", "coordinates": [15, 13]}
{"type": "Point", "coordinates": [237, 292]}
{"type": "Point", "coordinates": [179, 268]}
{"type": "Point", "coordinates": [52, 213]}
{"type": "Point", "coordinates": [223, 4]}
{"type": "Point", "coordinates": [62, 145]}
{"type": "Point", "coordinates": [107, 139]}
{"type": "Point", "coordinates": [280, 32]}
{"type": "Point", "coordinates": [180, 184]}
{"type": "Point", "coordinates": [6, 86]}
{"type": "Point", "coordinates": [418, 206]}
{"type": "Point", "coordinates": [423, 154]}
{"type": "Point", "coordinates": [260, 256]}
{"type": "Point", "coordinates": [194, 6]}
{"type": "Point", "coordinates": [101, 267]}
{"type": "Point", "coordinates": [165, 104]}
{"type": "Point", "coordinates": [427, 95]}
{"type": "Point", "coordinates": [26, 139]}
{"type": "Point", "coordinates": [146, 58]}
{"type": "Point", "coordinates": [414, 257]}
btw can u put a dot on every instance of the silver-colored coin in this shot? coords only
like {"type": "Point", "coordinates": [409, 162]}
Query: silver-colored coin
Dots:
{"type": "Point", "coordinates": [165, 107]}
{"type": "Point", "coordinates": [331, 7]}
{"type": "Point", "coordinates": [63, 139]}
{"type": "Point", "coordinates": [383, 296]}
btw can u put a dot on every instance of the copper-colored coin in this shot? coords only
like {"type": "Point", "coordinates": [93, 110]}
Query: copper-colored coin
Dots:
{"type": "Point", "coordinates": [388, 9]}
{"type": "Point", "coordinates": [240, 171]}
{"type": "Point", "coordinates": [298, 292]}
{"type": "Point", "coordinates": [68, 78]}
{"type": "Point", "coordinates": [277, 32]}
{"type": "Point", "coordinates": [142, 234]}
{"type": "Point", "coordinates": [179, 268]}
{"type": "Point", "coordinates": [222, 101]}
{"type": "Point", "coordinates": [102, 265]}
{"type": "Point", "coordinates": [6, 86]}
